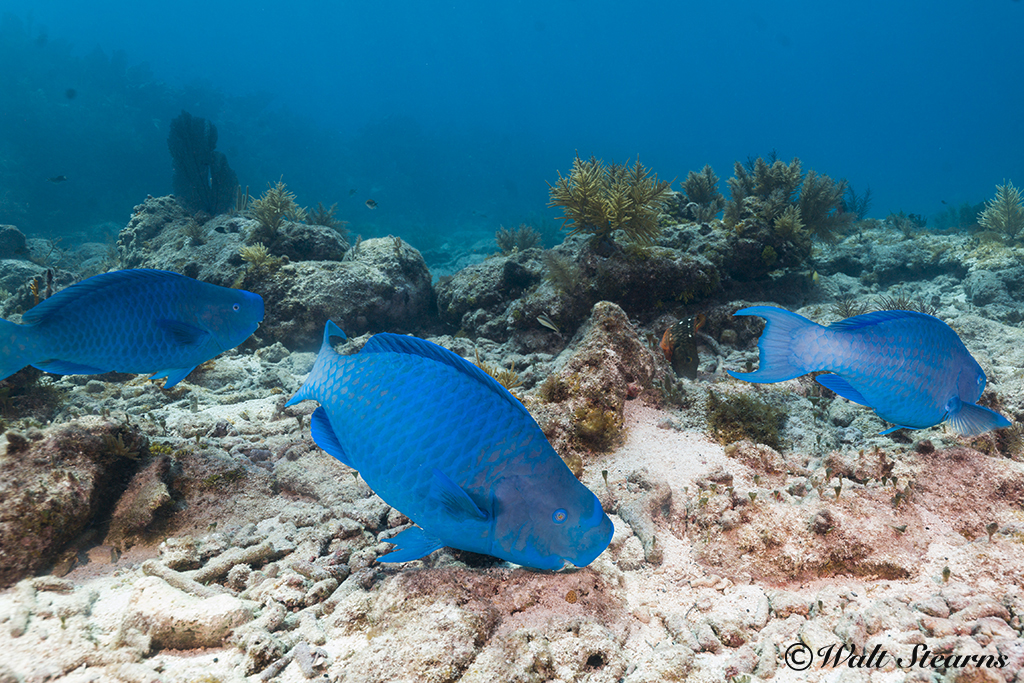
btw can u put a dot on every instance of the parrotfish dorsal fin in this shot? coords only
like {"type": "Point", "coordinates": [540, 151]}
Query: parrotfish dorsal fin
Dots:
{"type": "Point", "coordinates": [117, 279]}
{"type": "Point", "coordinates": [875, 318]}
{"type": "Point", "coordinates": [398, 343]}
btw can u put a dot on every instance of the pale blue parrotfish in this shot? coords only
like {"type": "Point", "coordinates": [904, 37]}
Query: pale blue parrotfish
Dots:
{"type": "Point", "coordinates": [442, 442]}
{"type": "Point", "coordinates": [911, 368]}
{"type": "Point", "coordinates": [140, 321]}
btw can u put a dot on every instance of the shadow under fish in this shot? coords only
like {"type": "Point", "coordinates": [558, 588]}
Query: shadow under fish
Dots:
{"type": "Point", "coordinates": [911, 368]}
{"type": "Point", "coordinates": [445, 444]}
{"type": "Point", "coordinates": [679, 344]}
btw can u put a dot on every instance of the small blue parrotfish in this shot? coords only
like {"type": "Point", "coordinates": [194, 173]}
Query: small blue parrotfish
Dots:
{"type": "Point", "coordinates": [442, 442]}
{"type": "Point", "coordinates": [141, 321]}
{"type": "Point", "coordinates": [911, 368]}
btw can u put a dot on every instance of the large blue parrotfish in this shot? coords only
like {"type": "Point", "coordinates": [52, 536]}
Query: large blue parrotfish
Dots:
{"type": "Point", "coordinates": [911, 368]}
{"type": "Point", "coordinates": [140, 321]}
{"type": "Point", "coordinates": [441, 441]}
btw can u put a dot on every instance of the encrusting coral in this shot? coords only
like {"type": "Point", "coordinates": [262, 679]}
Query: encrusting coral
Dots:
{"type": "Point", "coordinates": [598, 199]}
{"type": "Point", "coordinates": [1005, 213]}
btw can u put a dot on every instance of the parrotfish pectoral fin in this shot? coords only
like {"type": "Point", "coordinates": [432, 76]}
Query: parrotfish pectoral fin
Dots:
{"type": "Point", "coordinates": [776, 345]}
{"type": "Point", "coordinates": [183, 333]}
{"type": "Point", "coordinates": [325, 438]}
{"type": "Point", "coordinates": [843, 388]}
{"type": "Point", "coordinates": [973, 419]}
{"type": "Point", "coordinates": [453, 498]}
{"type": "Point", "coordinates": [173, 375]}
{"type": "Point", "coordinates": [411, 544]}
{"type": "Point", "coordinates": [60, 367]}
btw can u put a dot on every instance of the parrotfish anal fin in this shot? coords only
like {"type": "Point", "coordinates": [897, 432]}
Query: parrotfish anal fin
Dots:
{"type": "Point", "coordinates": [842, 387]}
{"type": "Point", "coordinates": [973, 419]}
{"type": "Point", "coordinates": [859, 321]}
{"type": "Point", "coordinates": [119, 278]}
{"type": "Point", "coordinates": [325, 438]}
{"type": "Point", "coordinates": [183, 333]}
{"type": "Point", "coordinates": [411, 544]}
{"type": "Point", "coordinates": [400, 343]}
{"type": "Point", "coordinates": [453, 498]}
{"type": "Point", "coordinates": [173, 375]}
{"type": "Point", "coordinates": [62, 367]}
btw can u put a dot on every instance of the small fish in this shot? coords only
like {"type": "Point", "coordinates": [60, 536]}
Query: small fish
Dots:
{"type": "Point", "coordinates": [71, 93]}
{"type": "Point", "coordinates": [352, 192]}
{"type": "Point", "coordinates": [58, 179]}
{"type": "Point", "coordinates": [140, 321]}
{"type": "Point", "coordinates": [441, 441]}
{"type": "Point", "coordinates": [911, 368]}
{"type": "Point", "coordinates": [547, 322]}
{"type": "Point", "coordinates": [370, 204]}
{"type": "Point", "coordinates": [679, 344]}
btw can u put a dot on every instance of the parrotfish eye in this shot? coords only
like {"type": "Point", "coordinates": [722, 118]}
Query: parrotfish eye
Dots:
{"type": "Point", "coordinates": [236, 307]}
{"type": "Point", "coordinates": [559, 516]}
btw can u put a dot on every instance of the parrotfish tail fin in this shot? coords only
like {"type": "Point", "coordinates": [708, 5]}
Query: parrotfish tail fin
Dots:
{"type": "Point", "coordinates": [972, 419]}
{"type": "Point", "coordinates": [411, 544]}
{"type": "Point", "coordinates": [308, 388]}
{"type": "Point", "coordinates": [776, 345]}
{"type": "Point", "coordinates": [15, 349]}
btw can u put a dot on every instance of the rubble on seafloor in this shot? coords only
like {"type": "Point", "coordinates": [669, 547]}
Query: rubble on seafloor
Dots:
{"type": "Point", "coordinates": [199, 534]}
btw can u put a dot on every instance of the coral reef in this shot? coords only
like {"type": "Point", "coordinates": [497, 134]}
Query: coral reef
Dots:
{"type": "Point", "coordinates": [599, 199]}
{"type": "Point", "coordinates": [202, 178]}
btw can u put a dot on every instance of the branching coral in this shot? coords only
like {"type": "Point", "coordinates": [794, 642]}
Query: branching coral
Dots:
{"type": "Point", "coordinates": [1005, 213]}
{"type": "Point", "coordinates": [704, 199]}
{"type": "Point", "coordinates": [598, 199]}
{"type": "Point", "coordinates": [276, 204]}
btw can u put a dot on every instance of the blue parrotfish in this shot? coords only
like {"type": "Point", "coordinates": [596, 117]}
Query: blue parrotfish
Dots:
{"type": "Point", "coordinates": [911, 368]}
{"type": "Point", "coordinates": [442, 442]}
{"type": "Point", "coordinates": [140, 321]}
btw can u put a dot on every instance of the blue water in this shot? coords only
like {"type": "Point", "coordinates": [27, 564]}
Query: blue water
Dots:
{"type": "Point", "coordinates": [452, 116]}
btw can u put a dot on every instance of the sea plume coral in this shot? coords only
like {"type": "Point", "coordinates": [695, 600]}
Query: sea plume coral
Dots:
{"type": "Point", "coordinates": [704, 201]}
{"type": "Point", "coordinates": [598, 199]}
{"type": "Point", "coordinates": [1005, 213]}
